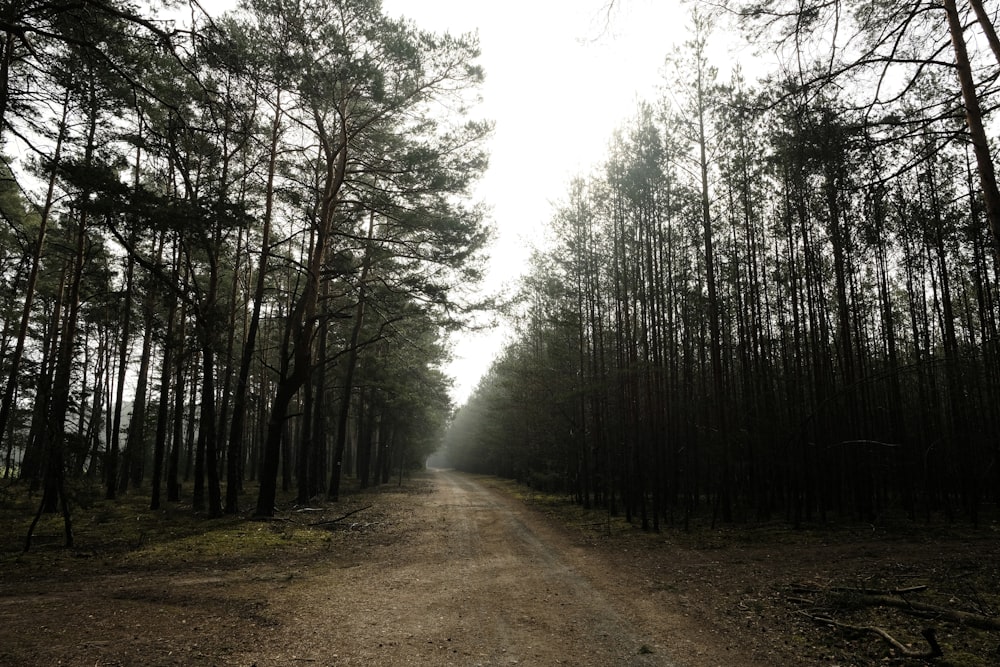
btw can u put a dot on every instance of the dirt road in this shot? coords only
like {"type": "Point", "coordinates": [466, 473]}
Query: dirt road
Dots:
{"type": "Point", "coordinates": [480, 584]}
{"type": "Point", "coordinates": [481, 580]}
{"type": "Point", "coordinates": [444, 572]}
{"type": "Point", "coordinates": [453, 570]}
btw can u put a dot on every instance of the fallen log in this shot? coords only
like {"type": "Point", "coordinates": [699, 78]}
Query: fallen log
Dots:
{"type": "Point", "coordinates": [880, 591]}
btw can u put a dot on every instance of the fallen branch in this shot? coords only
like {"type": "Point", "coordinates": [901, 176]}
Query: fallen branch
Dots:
{"type": "Point", "coordinates": [340, 518]}
{"type": "Point", "coordinates": [895, 598]}
{"type": "Point", "coordinates": [933, 652]}
{"type": "Point", "coordinates": [798, 600]}
{"type": "Point", "coordinates": [963, 617]}
{"type": "Point", "coordinates": [803, 588]}
{"type": "Point", "coordinates": [880, 591]}
{"type": "Point", "coordinates": [364, 525]}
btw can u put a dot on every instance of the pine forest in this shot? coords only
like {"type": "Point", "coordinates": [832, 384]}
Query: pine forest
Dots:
{"type": "Point", "coordinates": [236, 246]}
{"type": "Point", "coordinates": [775, 299]}
{"type": "Point", "coordinates": [256, 226]}
{"type": "Point", "coordinates": [733, 395]}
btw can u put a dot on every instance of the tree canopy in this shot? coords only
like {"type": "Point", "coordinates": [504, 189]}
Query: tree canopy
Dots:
{"type": "Point", "coordinates": [227, 229]}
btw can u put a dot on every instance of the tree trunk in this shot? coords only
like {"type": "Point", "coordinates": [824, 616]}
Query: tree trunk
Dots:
{"type": "Point", "coordinates": [133, 462]}
{"type": "Point", "coordinates": [162, 411]}
{"type": "Point", "coordinates": [718, 410]}
{"type": "Point", "coordinates": [301, 323]}
{"type": "Point", "coordinates": [114, 447]}
{"type": "Point", "coordinates": [177, 437]}
{"type": "Point", "coordinates": [235, 454]}
{"type": "Point", "coordinates": [333, 491]}
{"type": "Point", "coordinates": [974, 121]}
{"type": "Point", "coordinates": [14, 376]}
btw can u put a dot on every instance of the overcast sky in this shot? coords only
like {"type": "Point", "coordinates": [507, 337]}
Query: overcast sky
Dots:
{"type": "Point", "coordinates": [561, 75]}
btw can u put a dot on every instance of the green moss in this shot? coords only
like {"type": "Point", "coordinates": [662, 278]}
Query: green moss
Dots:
{"type": "Point", "coordinates": [125, 532]}
{"type": "Point", "coordinates": [239, 541]}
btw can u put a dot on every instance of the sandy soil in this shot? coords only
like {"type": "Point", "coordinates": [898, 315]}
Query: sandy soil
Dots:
{"type": "Point", "coordinates": [452, 571]}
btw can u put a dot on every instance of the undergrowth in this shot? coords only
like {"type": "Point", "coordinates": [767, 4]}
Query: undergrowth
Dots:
{"type": "Point", "coordinates": [125, 533]}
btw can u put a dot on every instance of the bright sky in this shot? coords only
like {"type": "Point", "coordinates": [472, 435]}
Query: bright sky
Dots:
{"type": "Point", "coordinates": [561, 75]}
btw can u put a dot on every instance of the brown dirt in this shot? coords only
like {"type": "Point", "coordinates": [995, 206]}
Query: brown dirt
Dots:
{"type": "Point", "coordinates": [457, 570]}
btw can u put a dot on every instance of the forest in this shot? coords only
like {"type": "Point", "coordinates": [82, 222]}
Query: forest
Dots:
{"type": "Point", "coordinates": [233, 246]}
{"type": "Point", "coordinates": [777, 298]}
{"type": "Point", "coordinates": [748, 407]}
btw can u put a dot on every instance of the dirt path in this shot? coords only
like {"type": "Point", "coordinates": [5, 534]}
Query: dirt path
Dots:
{"type": "Point", "coordinates": [447, 572]}
{"type": "Point", "coordinates": [450, 570]}
{"type": "Point", "coordinates": [479, 581]}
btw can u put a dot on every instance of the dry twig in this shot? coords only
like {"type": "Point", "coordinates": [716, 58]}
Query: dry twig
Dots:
{"type": "Point", "coordinates": [341, 518]}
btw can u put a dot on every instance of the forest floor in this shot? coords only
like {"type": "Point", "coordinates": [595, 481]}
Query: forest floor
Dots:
{"type": "Point", "coordinates": [450, 569]}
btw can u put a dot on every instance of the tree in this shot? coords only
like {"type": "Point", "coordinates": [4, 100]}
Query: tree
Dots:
{"type": "Point", "coordinates": [368, 87]}
{"type": "Point", "coordinates": [889, 49]}
{"type": "Point", "coordinates": [846, 372]}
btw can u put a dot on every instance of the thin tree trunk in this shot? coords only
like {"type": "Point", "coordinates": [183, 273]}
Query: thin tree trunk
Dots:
{"type": "Point", "coordinates": [91, 435]}
{"type": "Point", "coordinates": [14, 376]}
{"type": "Point", "coordinates": [114, 446]}
{"type": "Point", "coordinates": [162, 408]}
{"type": "Point", "coordinates": [235, 454]}
{"type": "Point", "coordinates": [987, 26]}
{"type": "Point", "coordinates": [133, 462]}
{"type": "Point", "coordinates": [317, 469]}
{"type": "Point", "coordinates": [718, 411]}
{"type": "Point", "coordinates": [333, 491]}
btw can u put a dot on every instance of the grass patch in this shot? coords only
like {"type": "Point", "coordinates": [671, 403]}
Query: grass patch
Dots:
{"type": "Point", "coordinates": [125, 533]}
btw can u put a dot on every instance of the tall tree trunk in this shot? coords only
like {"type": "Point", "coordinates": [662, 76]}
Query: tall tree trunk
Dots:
{"type": "Point", "coordinates": [163, 409]}
{"type": "Point", "coordinates": [304, 457]}
{"type": "Point", "coordinates": [299, 330]}
{"type": "Point", "coordinates": [208, 426]}
{"type": "Point", "coordinates": [718, 410]}
{"type": "Point", "coordinates": [317, 468]}
{"type": "Point", "coordinates": [333, 491]}
{"type": "Point", "coordinates": [987, 27]}
{"type": "Point", "coordinates": [133, 462]}
{"type": "Point", "coordinates": [974, 122]}
{"type": "Point", "coordinates": [114, 446]}
{"type": "Point", "coordinates": [55, 432]}
{"type": "Point", "coordinates": [237, 426]}
{"type": "Point", "coordinates": [14, 376]}
{"type": "Point", "coordinates": [92, 434]}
